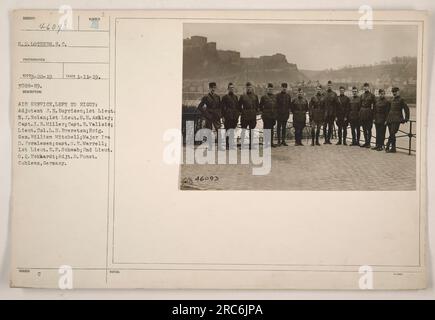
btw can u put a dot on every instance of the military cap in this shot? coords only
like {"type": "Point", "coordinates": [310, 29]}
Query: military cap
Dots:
{"type": "Point", "coordinates": [329, 82]}
{"type": "Point", "coordinates": [381, 90]}
{"type": "Point", "coordinates": [366, 84]}
{"type": "Point", "coordinates": [248, 84]}
{"type": "Point", "coordinates": [284, 85]}
{"type": "Point", "coordinates": [212, 85]}
{"type": "Point", "coordinates": [270, 85]}
{"type": "Point", "coordinates": [230, 84]}
{"type": "Point", "coordinates": [354, 88]}
{"type": "Point", "coordinates": [341, 87]}
{"type": "Point", "coordinates": [299, 89]}
{"type": "Point", "coordinates": [395, 89]}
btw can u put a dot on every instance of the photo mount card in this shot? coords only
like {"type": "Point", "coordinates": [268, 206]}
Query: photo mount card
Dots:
{"type": "Point", "coordinates": [200, 149]}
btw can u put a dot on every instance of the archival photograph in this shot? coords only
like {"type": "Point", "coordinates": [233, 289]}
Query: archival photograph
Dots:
{"type": "Point", "coordinates": [299, 107]}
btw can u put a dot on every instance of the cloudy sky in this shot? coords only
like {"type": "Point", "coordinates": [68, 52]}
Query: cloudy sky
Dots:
{"type": "Point", "coordinates": [312, 47]}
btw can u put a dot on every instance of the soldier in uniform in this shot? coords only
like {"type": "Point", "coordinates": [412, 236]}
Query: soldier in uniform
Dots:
{"type": "Point", "coordinates": [299, 110]}
{"type": "Point", "coordinates": [316, 115]}
{"type": "Point", "coordinates": [382, 107]}
{"type": "Point", "coordinates": [248, 107]}
{"type": "Point", "coordinates": [354, 108]}
{"type": "Point", "coordinates": [395, 118]}
{"type": "Point", "coordinates": [230, 110]}
{"type": "Point", "coordinates": [210, 108]}
{"type": "Point", "coordinates": [283, 106]}
{"type": "Point", "coordinates": [268, 111]}
{"type": "Point", "coordinates": [330, 106]}
{"type": "Point", "coordinates": [366, 114]}
{"type": "Point", "coordinates": [342, 116]}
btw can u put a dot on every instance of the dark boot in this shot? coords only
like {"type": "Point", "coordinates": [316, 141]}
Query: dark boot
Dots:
{"type": "Point", "coordinates": [393, 147]}
{"type": "Point", "coordinates": [388, 145]}
{"type": "Point", "coordinates": [365, 140]}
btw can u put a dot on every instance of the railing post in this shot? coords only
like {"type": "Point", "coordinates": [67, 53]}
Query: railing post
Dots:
{"type": "Point", "coordinates": [410, 137]}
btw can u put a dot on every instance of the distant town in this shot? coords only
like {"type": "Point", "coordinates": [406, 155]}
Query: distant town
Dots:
{"type": "Point", "coordinates": [203, 62]}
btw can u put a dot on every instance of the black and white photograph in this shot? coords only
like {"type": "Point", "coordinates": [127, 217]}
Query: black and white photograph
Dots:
{"type": "Point", "coordinates": [315, 106]}
{"type": "Point", "coordinates": [307, 132]}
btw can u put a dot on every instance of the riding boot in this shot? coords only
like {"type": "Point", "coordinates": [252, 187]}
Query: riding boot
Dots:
{"type": "Point", "coordinates": [393, 146]}
{"type": "Point", "coordinates": [388, 145]}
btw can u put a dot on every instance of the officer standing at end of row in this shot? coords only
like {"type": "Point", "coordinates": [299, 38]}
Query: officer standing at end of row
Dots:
{"type": "Point", "coordinates": [330, 106]}
{"type": "Point", "coordinates": [366, 114]}
{"type": "Point", "coordinates": [299, 110]}
{"type": "Point", "coordinates": [283, 106]}
{"type": "Point", "coordinates": [395, 118]}
{"type": "Point", "coordinates": [316, 115]}
{"type": "Point", "coordinates": [342, 116]}
{"type": "Point", "coordinates": [210, 108]}
{"type": "Point", "coordinates": [382, 107]}
{"type": "Point", "coordinates": [268, 111]}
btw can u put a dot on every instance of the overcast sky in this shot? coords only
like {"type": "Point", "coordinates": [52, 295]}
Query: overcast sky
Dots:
{"type": "Point", "coordinates": [312, 47]}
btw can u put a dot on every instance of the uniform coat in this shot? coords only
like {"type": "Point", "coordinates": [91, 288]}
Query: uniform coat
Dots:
{"type": "Point", "coordinates": [210, 106]}
{"type": "Point", "coordinates": [283, 106]}
{"type": "Point", "coordinates": [317, 109]}
{"type": "Point", "coordinates": [395, 114]}
{"type": "Point", "coordinates": [330, 105]}
{"type": "Point", "coordinates": [248, 106]}
{"type": "Point", "coordinates": [230, 110]}
{"type": "Point", "coordinates": [210, 109]}
{"type": "Point", "coordinates": [268, 107]}
{"type": "Point", "coordinates": [299, 110]}
{"type": "Point", "coordinates": [381, 109]}
{"type": "Point", "coordinates": [367, 103]}
{"type": "Point", "coordinates": [342, 110]}
{"type": "Point", "coordinates": [354, 109]}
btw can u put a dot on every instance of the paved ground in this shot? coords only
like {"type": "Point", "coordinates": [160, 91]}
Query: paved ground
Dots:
{"type": "Point", "coordinates": [325, 167]}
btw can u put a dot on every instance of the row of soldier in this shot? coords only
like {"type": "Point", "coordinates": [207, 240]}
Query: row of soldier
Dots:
{"type": "Point", "coordinates": [324, 109]}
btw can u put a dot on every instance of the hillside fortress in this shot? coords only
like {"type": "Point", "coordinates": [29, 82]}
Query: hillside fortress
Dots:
{"type": "Point", "coordinates": [202, 60]}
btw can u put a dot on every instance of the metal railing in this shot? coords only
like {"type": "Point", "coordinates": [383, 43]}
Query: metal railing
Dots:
{"type": "Point", "coordinates": [196, 118]}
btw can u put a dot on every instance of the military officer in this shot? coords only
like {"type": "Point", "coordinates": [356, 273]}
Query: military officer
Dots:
{"type": "Point", "coordinates": [316, 115]}
{"type": "Point", "coordinates": [354, 108]}
{"type": "Point", "coordinates": [366, 114]}
{"type": "Point", "coordinates": [299, 110]}
{"type": "Point", "coordinates": [382, 107]}
{"type": "Point", "coordinates": [342, 116]}
{"type": "Point", "coordinates": [268, 111]}
{"type": "Point", "coordinates": [248, 107]}
{"type": "Point", "coordinates": [330, 106]}
{"type": "Point", "coordinates": [283, 106]}
{"type": "Point", "coordinates": [210, 108]}
{"type": "Point", "coordinates": [395, 118]}
{"type": "Point", "coordinates": [230, 110]}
